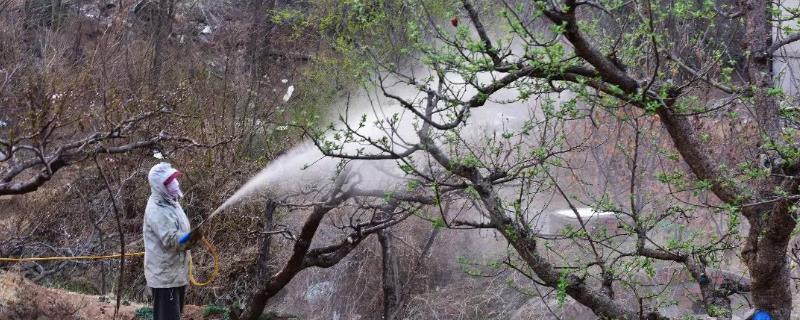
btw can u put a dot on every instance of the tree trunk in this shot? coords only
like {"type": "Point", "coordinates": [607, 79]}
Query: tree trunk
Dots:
{"type": "Point", "coordinates": [765, 250]}
{"type": "Point", "coordinates": [262, 265]}
{"type": "Point", "coordinates": [758, 39]}
{"type": "Point", "coordinates": [258, 42]}
{"type": "Point", "coordinates": [404, 289]}
{"type": "Point", "coordinates": [256, 51]}
{"type": "Point", "coordinates": [162, 27]}
{"type": "Point", "coordinates": [390, 276]}
{"type": "Point", "coordinates": [765, 253]}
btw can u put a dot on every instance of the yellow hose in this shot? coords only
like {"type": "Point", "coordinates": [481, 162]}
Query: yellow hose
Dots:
{"type": "Point", "coordinates": [214, 273]}
{"type": "Point", "coordinates": [112, 256]}
{"type": "Point", "coordinates": [192, 280]}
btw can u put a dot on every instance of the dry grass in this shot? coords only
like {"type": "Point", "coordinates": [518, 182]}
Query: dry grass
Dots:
{"type": "Point", "coordinates": [22, 299]}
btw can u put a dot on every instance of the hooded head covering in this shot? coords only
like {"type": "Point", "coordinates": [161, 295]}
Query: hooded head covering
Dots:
{"type": "Point", "coordinates": [163, 180]}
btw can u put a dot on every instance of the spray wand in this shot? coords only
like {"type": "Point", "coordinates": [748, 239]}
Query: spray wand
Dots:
{"type": "Point", "coordinates": [188, 236]}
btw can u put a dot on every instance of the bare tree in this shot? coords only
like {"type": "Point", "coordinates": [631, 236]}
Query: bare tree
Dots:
{"type": "Point", "coordinates": [32, 159]}
{"type": "Point", "coordinates": [343, 194]}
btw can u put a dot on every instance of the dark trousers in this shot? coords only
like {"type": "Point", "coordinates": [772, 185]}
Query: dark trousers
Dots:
{"type": "Point", "coordinates": [168, 303]}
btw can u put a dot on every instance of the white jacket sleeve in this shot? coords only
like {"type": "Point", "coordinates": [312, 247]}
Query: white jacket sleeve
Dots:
{"type": "Point", "coordinates": [166, 229]}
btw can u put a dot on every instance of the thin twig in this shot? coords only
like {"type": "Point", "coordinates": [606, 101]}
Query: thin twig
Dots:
{"type": "Point", "coordinates": [121, 236]}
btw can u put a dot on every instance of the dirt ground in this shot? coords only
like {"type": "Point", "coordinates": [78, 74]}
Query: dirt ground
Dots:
{"type": "Point", "coordinates": [22, 299]}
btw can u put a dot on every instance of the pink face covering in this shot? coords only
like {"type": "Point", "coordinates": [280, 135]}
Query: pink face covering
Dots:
{"type": "Point", "coordinates": [173, 187]}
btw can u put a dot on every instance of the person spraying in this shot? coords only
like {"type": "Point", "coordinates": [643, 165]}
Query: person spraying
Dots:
{"type": "Point", "coordinates": [167, 239]}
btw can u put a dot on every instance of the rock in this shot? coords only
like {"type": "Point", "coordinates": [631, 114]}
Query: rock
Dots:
{"type": "Point", "coordinates": [316, 292]}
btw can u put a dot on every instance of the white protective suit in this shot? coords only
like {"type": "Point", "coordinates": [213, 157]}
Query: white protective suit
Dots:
{"type": "Point", "coordinates": [165, 265]}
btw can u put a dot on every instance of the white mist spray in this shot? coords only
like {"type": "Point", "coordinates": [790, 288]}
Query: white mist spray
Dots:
{"type": "Point", "coordinates": [305, 165]}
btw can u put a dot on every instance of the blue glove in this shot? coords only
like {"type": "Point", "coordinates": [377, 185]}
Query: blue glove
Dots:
{"type": "Point", "coordinates": [184, 239]}
{"type": "Point", "coordinates": [189, 239]}
{"type": "Point", "coordinates": [704, 279]}
{"type": "Point", "coordinates": [761, 315]}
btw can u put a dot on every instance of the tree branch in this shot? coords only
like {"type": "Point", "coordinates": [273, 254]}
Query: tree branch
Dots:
{"type": "Point", "coordinates": [785, 41]}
